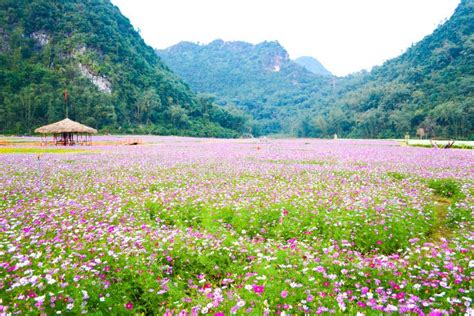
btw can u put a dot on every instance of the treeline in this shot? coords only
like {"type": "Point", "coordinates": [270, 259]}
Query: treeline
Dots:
{"type": "Point", "coordinates": [429, 87]}
{"type": "Point", "coordinates": [259, 79]}
{"type": "Point", "coordinates": [115, 82]}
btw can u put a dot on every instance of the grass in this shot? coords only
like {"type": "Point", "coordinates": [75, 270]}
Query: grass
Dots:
{"type": "Point", "coordinates": [455, 146]}
{"type": "Point", "coordinates": [446, 192]}
{"type": "Point", "coordinates": [426, 144]}
{"type": "Point", "coordinates": [22, 150]}
{"type": "Point", "coordinates": [440, 228]}
{"type": "Point", "coordinates": [447, 188]}
{"type": "Point", "coordinates": [397, 175]}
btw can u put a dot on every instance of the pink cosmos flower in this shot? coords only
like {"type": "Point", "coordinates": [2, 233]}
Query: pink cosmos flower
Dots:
{"type": "Point", "coordinates": [129, 306]}
{"type": "Point", "coordinates": [284, 294]}
{"type": "Point", "coordinates": [258, 289]}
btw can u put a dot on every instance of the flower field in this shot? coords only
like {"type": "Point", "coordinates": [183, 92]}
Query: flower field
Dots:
{"type": "Point", "coordinates": [183, 226]}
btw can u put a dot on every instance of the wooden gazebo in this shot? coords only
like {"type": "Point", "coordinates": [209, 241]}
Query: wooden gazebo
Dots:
{"type": "Point", "coordinates": [66, 133]}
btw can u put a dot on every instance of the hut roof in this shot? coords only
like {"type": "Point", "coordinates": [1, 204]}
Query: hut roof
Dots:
{"type": "Point", "coordinates": [65, 126]}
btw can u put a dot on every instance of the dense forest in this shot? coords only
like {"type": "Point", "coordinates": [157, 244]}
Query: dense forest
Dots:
{"type": "Point", "coordinates": [260, 80]}
{"type": "Point", "coordinates": [429, 87]}
{"type": "Point", "coordinates": [115, 82]}
{"type": "Point", "coordinates": [118, 84]}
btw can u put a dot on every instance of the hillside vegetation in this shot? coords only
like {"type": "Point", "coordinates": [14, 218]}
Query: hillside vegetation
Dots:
{"type": "Point", "coordinates": [114, 80]}
{"type": "Point", "coordinates": [430, 86]}
{"type": "Point", "coordinates": [260, 80]}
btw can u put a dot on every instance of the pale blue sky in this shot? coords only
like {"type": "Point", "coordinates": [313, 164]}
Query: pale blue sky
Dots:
{"type": "Point", "coordinates": [345, 35]}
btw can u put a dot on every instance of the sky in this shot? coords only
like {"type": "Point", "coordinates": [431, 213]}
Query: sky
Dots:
{"type": "Point", "coordinates": [346, 36]}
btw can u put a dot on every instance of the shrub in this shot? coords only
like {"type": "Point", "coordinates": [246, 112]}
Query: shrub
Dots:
{"type": "Point", "coordinates": [447, 188]}
{"type": "Point", "coordinates": [397, 175]}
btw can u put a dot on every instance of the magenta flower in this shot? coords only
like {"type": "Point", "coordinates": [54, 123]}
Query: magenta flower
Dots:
{"type": "Point", "coordinates": [129, 306]}
{"type": "Point", "coordinates": [284, 294]}
{"type": "Point", "coordinates": [258, 289]}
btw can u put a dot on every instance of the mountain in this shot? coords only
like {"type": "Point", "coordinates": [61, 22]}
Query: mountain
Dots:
{"type": "Point", "coordinates": [115, 81]}
{"type": "Point", "coordinates": [430, 86]}
{"type": "Point", "coordinates": [313, 65]}
{"type": "Point", "coordinates": [258, 79]}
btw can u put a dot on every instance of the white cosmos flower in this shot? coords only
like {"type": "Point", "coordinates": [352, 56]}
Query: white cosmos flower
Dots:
{"type": "Point", "coordinates": [391, 308]}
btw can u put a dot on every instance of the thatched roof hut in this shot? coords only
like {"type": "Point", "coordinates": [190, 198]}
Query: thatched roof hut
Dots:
{"type": "Point", "coordinates": [65, 126]}
{"type": "Point", "coordinates": [63, 133]}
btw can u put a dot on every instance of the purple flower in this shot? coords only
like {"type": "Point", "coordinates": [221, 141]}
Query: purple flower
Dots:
{"type": "Point", "coordinates": [258, 289]}
{"type": "Point", "coordinates": [129, 306]}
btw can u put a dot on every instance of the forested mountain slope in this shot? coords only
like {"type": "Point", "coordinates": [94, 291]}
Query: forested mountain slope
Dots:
{"type": "Point", "coordinates": [259, 79]}
{"type": "Point", "coordinates": [430, 86]}
{"type": "Point", "coordinates": [115, 82]}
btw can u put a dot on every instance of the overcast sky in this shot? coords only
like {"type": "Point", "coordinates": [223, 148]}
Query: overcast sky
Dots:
{"type": "Point", "coordinates": [344, 35]}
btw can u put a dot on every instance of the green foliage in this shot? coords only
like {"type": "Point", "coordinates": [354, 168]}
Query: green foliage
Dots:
{"type": "Point", "coordinates": [49, 46]}
{"type": "Point", "coordinates": [458, 216]}
{"type": "Point", "coordinates": [259, 80]}
{"type": "Point", "coordinates": [447, 188]}
{"type": "Point", "coordinates": [429, 87]}
{"type": "Point", "coordinates": [340, 224]}
{"type": "Point", "coordinates": [397, 175]}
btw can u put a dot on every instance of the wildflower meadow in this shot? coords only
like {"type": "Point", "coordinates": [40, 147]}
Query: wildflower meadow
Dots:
{"type": "Point", "coordinates": [187, 226]}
